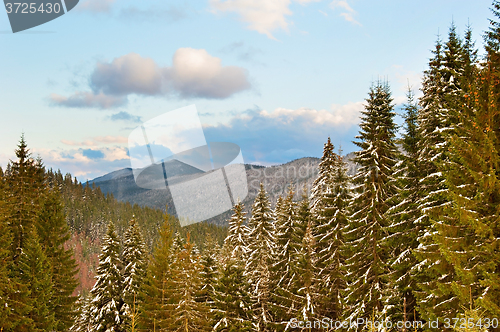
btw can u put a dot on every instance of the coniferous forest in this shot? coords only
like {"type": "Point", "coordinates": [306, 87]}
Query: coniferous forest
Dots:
{"type": "Point", "coordinates": [413, 238]}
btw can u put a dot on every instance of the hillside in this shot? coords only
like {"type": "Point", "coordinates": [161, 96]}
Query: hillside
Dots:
{"type": "Point", "coordinates": [276, 179]}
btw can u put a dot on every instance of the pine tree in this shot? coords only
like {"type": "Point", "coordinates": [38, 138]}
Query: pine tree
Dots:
{"type": "Point", "coordinates": [24, 180]}
{"type": "Point", "coordinates": [442, 89]}
{"type": "Point", "coordinates": [471, 173]}
{"type": "Point", "coordinates": [308, 292]}
{"type": "Point", "coordinates": [157, 292]}
{"type": "Point", "coordinates": [236, 240]}
{"type": "Point", "coordinates": [33, 269]}
{"type": "Point", "coordinates": [106, 305]}
{"type": "Point", "coordinates": [6, 288]}
{"type": "Point", "coordinates": [366, 254]}
{"type": "Point", "coordinates": [53, 233]}
{"type": "Point", "coordinates": [134, 260]}
{"type": "Point", "coordinates": [281, 269]}
{"type": "Point", "coordinates": [261, 252]}
{"type": "Point", "coordinates": [208, 273]}
{"type": "Point", "coordinates": [326, 169]}
{"type": "Point", "coordinates": [232, 298]}
{"type": "Point", "coordinates": [187, 313]}
{"type": "Point", "coordinates": [330, 215]}
{"type": "Point", "coordinates": [403, 215]}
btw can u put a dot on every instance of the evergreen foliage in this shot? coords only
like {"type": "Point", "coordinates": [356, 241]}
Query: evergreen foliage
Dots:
{"type": "Point", "coordinates": [367, 253]}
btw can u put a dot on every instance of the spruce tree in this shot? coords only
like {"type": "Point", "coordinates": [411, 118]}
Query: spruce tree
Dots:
{"type": "Point", "coordinates": [6, 288]}
{"type": "Point", "coordinates": [208, 273]}
{"type": "Point", "coordinates": [471, 173]}
{"type": "Point", "coordinates": [442, 88]}
{"type": "Point", "coordinates": [134, 261]}
{"type": "Point", "coordinates": [106, 300]}
{"type": "Point", "coordinates": [157, 292]}
{"type": "Point", "coordinates": [33, 269]}
{"type": "Point", "coordinates": [330, 215]}
{"type": "Point", "coordinates": [281, 269]}
{"type": "Point", "coordinates": [24, 180]}
{"type": "Point", "coordinates": [403, 215]}
{"type": "Point", "coordinates": [187, 313]}
{"type": "Point", "coordinates": [308, 293]}
{"type": "Point", "coordinates": [53, 233]}
{"type": "Point", "coordinates": [367, 256]}
{"type": "Point", "coordinates": [232, 298]}
{"type": "Point", "coordinates": [261, 253]}
{"type": "Point", "coordinates": [237, 233]}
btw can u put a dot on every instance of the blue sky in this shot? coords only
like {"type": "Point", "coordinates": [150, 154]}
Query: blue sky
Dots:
{"type": "Point", "coordinates": [276, 77]}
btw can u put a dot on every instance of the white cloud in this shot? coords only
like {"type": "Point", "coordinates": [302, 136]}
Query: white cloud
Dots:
{"type": "Point", "coordinates": [283, 134]}
{"type": "Point", "coordinates": [97, 140]}
{"type": "Point", "coordinates": [263, 16]}
{"type": "Point", "coordinates": [130, 73]}
{"type": "Point", "coordinates": [348, 13]}
{"type": "Point", "coordinates": [339, 115]}
{"type": "Point", "coordinates": [85, 163]}
{"type": "Point", "coordinates": [194, 73]}
{"type": "Point", "coordinates": [88, 99]}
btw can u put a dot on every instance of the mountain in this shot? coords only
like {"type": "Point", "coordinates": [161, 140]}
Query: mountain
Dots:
{"type": "Point", "coordinates": [276, 179]}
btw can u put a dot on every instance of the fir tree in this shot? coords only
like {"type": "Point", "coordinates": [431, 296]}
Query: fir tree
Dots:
{"type": "Point", "coordinates": [6, 288]}
{"type": "Point", "coordinates": [106, 305]}
{"type": "Point", "coordinates": [53, 233]}
{"type": "Point", "coordinates": [330, 215]}
{"type": "Point", "coordinates": [232, 298]}
{"type": "Point", "coordinates": [281, 269]}
{"type": "Point", "coordinates": [442, 89]}
{"type": "Point", "coordinates": [33, 269]}
{"type": "Point", "coordinates": [134, 260]}
{"type": "Point", "coordinates": [326, 169]}
{"type": "Point", "coordinates": [308, 296]}
{"type": "Point", "coordinates": [187, 313]}
{"type": "Point", "coordinates": [366, 253]}
{"type": "Point", "coordinates": [208, 273]}
{"type": "Point", "coordinates": [261, 251]}
{"type": "Point", "coordinates": [403, 215]}
{"type": "Point", "coordinates": [157, 292]}
{"type": "Point", "coordinates": [24, 180]}
{"type": "Point", "coordinates": [236, 240]}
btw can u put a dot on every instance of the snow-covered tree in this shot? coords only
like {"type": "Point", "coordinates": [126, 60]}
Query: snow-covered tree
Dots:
{"type": "Point", "coordinates": [403, 215]}
{"type": "Point", "coordinates": [232, 299]}
{"type": "Point", "coordinates": [134, 261]}
{"type": "Point", "coordinates": [261, 244]}
{"type": "Point", "coordinates": [186, 313]}
{"type": "Point", "coordinates": [281, 269]}
{"type": "Point", "coordinates": [236, 240]}
{"type": "Point", "coordinates": [106, 300]}
{"type": "Point", "coordinates": [330, 215]}
{"type": "Point", "coordinates": [366, 255]}
{"type": "Point", "coordinates": [438, 118]}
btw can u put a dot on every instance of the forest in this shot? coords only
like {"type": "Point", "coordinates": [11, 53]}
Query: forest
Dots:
{"type": "Point", "coordinates": [411, 242]}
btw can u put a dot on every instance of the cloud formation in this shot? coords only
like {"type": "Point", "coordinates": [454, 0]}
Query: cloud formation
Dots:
{"type": "Point", "coordinates": [125, 116]}
{"type": "Point", "coordinates": [347, 11]}
{"type": "Point", "coordinates": [88, 99]}
{"type": "Point", "coordinates": [97, 141]}
{"type": "Point", "coordinates": [194, 74]}
{"type": "Point", "coordinates": [278, 136]}
{"type": "Point", "coordinates": [263, 16]}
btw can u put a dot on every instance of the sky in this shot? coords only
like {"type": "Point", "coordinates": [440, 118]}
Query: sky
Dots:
{"type": "Point", "coordinates": [276, 77]}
